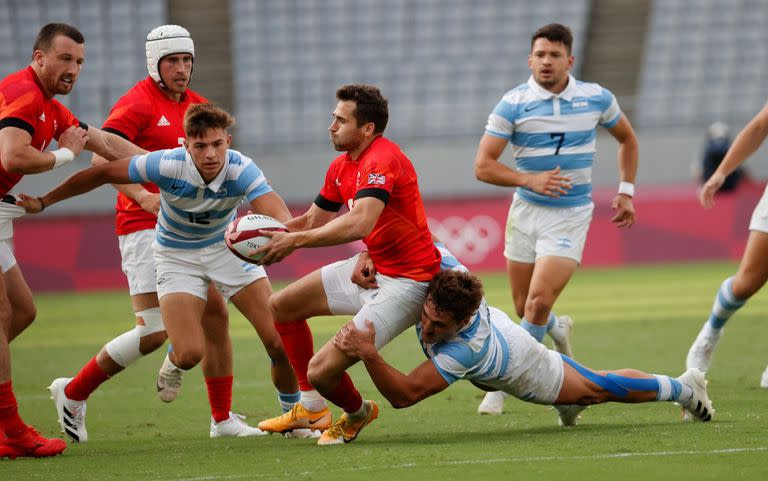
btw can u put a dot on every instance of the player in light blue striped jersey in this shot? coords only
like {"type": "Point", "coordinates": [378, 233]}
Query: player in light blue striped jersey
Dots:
{"type": "Point", "coordinates": [550, 122]}
{"type": "Point", "coordinates": [201, 185]}
{"type": "Point", "coordinates": [464, 338]}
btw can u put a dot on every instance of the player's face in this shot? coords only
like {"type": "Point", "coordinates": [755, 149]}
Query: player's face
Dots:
{"type": "Point", "coordinates": [437, 326]}
{"type": "Point", "coordinates": [60, 65]}
{"type": "Point", "coordinates": [209, 152]}
{"type": "Point", "coordinates": [176, 71]}
{"type": "Point", "coordinates": [549, 62]}
{"type": "Point", "coordinates": [345, 134]}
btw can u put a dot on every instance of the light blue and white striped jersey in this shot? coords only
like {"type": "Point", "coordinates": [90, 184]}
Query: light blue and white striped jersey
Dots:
{"type": "Point", "coordinates": [548, 130]}
{"type": "Point", "coordinates": [478, 351]}
{"type": "Point", "coordinates": [194, 214]}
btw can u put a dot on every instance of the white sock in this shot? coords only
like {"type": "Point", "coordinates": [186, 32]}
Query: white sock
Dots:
{"type": "Point", "coordinates": [312, 400]}
{"type": "Point", "coordinates": [360, 413]}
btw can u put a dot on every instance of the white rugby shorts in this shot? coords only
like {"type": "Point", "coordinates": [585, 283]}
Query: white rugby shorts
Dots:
{"type": "Point", "coordinates": [9, 211]}
{"type": "Point", "coordinates": [535, 231]}
{"type": "Point", "coordinates": [7, 260]}
{"type": "Point", "coordinates": [138, 261]}
{"type": "Point", "coordinates": [534, 373]}
{"type": "Point", "coordinates": [394, 307]}
{"type": "Point", "coordinates": [191, 270]}
{"type": "Point", "coordinates": [759, 221]}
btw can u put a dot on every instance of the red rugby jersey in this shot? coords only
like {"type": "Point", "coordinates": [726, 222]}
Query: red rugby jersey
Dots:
{"type": "Point", "coordinates": [23, 105]}
{"type": "Point", "coordinates": [146, 116]}
{"type": "Point", "coordinates": [400, 243]}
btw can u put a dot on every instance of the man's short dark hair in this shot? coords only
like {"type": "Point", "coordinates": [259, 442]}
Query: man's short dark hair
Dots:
{"type": "Point", "coordinates": [555, 32]}
{"type": "Point", "coordinates": [203, 117]}
{"type": "Point", "coordinates": [456, 293]}
{"type": "Point", "coordinates": [46, 35]}
{"type": "Point", "coordinates": [371, 105]}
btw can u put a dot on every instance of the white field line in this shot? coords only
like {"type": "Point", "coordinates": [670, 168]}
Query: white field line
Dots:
{"type": "Point", "coordinates": [469, 462]}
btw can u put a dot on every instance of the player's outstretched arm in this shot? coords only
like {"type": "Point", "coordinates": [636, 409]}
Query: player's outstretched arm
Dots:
{"type": "Point", "coordinates": [84, 181]}
{"type": "Point", "coordinates": [401, 390]}
{"type": "Point", "coordinates": [149, 201]}
{"type": "Point", "coordinates": [744, 145]}
{"type": "Point", "coordinates": [18, 156]}
{"type": "Point", "coordinates": [110, 146]}
{"type": "Point", "coordinates": [352, 226]}
{"type": "Point", "coordinates": [314, 217]}
{"type": "Point", "coordinates": [628, 159]}
{"type": "Point", "coordinates": [271, 204]}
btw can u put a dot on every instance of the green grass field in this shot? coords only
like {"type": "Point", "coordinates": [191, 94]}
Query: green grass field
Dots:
{"type": "Point", "coordinates": [640, 317]}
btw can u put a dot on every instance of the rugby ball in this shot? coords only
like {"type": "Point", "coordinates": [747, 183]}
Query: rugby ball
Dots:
{"type": "Point", "coordinates": [244, 235]}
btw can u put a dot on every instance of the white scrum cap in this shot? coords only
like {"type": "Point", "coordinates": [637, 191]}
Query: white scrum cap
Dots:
{"type": "Point", "coordinates": [166, 40]}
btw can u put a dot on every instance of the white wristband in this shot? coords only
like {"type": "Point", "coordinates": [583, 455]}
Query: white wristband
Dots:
{"type": "Point", "coordinates": [63, 156]}
{"type": "Point", "coordinates": [627, 189]}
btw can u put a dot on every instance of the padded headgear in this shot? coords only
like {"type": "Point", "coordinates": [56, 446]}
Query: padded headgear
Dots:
{"type": "Point", "coordinates": [166, 40]}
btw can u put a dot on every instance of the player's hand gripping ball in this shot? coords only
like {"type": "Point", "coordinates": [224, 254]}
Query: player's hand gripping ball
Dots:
{"type": "Point", "coordinates": [244, 235]}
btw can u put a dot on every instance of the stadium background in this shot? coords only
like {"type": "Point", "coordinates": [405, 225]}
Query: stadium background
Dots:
{"type": "Point", "coordinates": [675, 66]}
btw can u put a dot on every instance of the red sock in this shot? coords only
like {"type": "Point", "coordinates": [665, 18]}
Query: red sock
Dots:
{"type": "Point", "coordinates": [219, 397]}
{"type": "Point", "coordinates": [298, 344]}
{"type": "Point", "coordinates": [10, 422]}
{"type": "Point", "coordinates": [87, 380]}
{"type": "Point", "coordinates": [345, 395]}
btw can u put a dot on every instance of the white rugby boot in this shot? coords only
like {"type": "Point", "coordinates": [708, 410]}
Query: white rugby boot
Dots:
{"type": "Point", "coordinates": [71, 413]}
{"type": "Point", "coordinates": [699, 408]}
{"type": "Point", "coordinates": [568, 413]}
{"type": "Point", "coordinates": [561, 335]}
{"type": "Point", "coordinates": [234, 427]}
{"type": "Point", "coordinates": [169, 380]}
{"type": "Point", "coordinates": [700, 353]}
{"type": "Point", "coordinates": [493, 403]}
{"type": "Point", "coordinates": [764, 379]}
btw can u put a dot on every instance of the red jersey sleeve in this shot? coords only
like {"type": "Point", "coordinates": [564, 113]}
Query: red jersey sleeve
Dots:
{"type": "Point", "coordinates": [128, 118]}
{"type": "Point", "coordinates": [64, 119]}
{"type": "Point", "coordinates": [378, 175]}
{"type": "Point", "coordinates": [21, 106]}
{"type": "Point", "coordinates": [330, 197]}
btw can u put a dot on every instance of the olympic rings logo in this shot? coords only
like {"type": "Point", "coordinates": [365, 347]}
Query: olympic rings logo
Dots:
{"type": "Point", "coordinates": [469, 240]}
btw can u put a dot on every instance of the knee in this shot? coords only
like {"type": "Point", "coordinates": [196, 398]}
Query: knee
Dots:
{"type": "Point", "coordinates": [275, 307]}
{"type": "Point", "coordinates": [317, 372]}
{"type": "Point", "coordinates": [152, 342]}
{"type": "Point", "coordinates": [26, 316]}
{"type": "Point", "coordinates": [186, 358]}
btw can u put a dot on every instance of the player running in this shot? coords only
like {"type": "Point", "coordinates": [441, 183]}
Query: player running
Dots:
{"type": "Point", "coordinates": [201, 185]}
{"type": "Point", "coordinates": [551, 122]}
{"type": "Point", "coordinates": [378, 183]}
{"type": "Point", "coordinates": [150, 114]}
{"type": "Point", "coordinates": [30, 118]}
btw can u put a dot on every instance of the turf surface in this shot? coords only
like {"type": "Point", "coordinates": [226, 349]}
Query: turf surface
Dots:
{"type": "Point", "coordinates": [640, 317]}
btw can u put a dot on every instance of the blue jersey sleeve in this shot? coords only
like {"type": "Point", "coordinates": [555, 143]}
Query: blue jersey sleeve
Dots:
{"type": "Point", "coordinates": [252, 182]}
{"type": "Point", "coordinates": [145, 168]}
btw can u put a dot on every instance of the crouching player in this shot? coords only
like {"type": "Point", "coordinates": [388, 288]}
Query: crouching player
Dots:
{"type": "Point", "coordinates": [464, 338]}
{"type": "Point", "coordinates": [201, 184]}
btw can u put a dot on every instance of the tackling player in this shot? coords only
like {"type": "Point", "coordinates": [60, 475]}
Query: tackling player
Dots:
{"type": "Point", "coordinates": [378, 183]}
{"type": "Point", "coordinates": [201, 185]}
{"type": "Point", "coordinates": [150, 114]}
{"type": "Point", "coordinates": [30, 118]}
{"type": "Point", "coordinates": [464, 338]}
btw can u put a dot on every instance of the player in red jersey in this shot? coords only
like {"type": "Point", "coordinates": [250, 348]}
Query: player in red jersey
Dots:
{"type": "Point", "coordinates": [29, 119]}
{"type": "Point", "coordinates": [151, 115]}
{"type": "Point", "coordinates": [379, 185]}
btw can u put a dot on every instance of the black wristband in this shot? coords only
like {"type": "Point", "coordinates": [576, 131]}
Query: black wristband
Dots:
{"type": "Point", "coordinates": [42, 204]}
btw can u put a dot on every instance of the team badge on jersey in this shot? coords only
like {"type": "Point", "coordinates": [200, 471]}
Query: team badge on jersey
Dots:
{"type": "Point", "coordinates": [376, 179]}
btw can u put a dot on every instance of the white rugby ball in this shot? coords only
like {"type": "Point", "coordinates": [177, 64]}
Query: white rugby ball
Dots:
{"type": "Point", "coordinates": [244, 235]}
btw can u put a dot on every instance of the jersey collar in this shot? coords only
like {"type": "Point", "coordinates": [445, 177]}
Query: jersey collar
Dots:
{"type": "Point", "coordinates": [198, 181]}
{"type": "Point", "coordinates": [567, 94]}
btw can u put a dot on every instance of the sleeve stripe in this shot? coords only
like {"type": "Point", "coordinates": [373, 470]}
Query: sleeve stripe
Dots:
{"type": "Point", "coordinates": [116, 132]}
{"type": "Point", "coordinates": [18, 123]}
{"type": "Point", "coordinates": [83, 125]}
{"type": "Point", "coordinates": [380, 194]}
{"type": "Point", "coordinates": [326, 204]}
